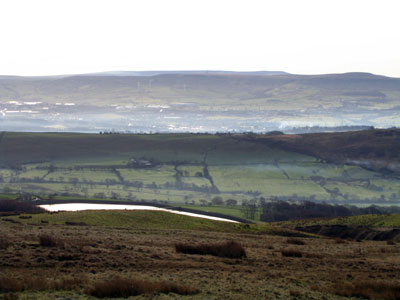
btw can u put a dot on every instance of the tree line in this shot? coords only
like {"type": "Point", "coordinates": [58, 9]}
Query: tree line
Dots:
{"type": "Point", "coordinates": [285, 211]}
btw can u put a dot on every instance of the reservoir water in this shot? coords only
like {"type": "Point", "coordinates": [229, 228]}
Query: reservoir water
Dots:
{"type": "Point", "coordinates": [91, 206]}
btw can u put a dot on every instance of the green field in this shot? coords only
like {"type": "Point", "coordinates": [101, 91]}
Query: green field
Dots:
{"type": "Point", "coordinates": [142, 219]}
{"type": "Point", "coordinates": [180, 169]}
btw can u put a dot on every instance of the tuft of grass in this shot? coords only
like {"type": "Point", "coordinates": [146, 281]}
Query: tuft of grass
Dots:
{"type": "Point", "coordinates": [10, 296]}
{"type": "Point", "coordinates": [126, 287]}
{"type": "Point", "coordinates": [340, 241]}
{"type": "Point", "coordinates": [369, 289]}
{"type": "Point", "coordinates": [4, 243]}
{"type": "Point", "coordinates": [10, 284]}
{"type": "Point", "coordinates": [295, 241]}
{"type": "Point", "coordinates": [69, 283]}
{"type": "Point", "coordinates": [291, 253]}
{"type": "Point", "coordinates": [229, 249]}
{"type": "Point", "coordinates": [75, 223]}
{"type": "Point", "coordinates": [13, 284]}
{"type": "Point", "coordinates": [46, 240]}
{"type": "Point", "coordinates": [295, 293]}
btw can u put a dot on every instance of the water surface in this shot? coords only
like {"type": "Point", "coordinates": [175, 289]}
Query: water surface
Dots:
{"type": "Point", "coordinates": [91, 206]}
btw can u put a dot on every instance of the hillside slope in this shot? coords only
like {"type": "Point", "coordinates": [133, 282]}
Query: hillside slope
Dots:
{"type": "Point", "coordinates": [373, 149]}
{"type": "Point", "coordinates": [200, 169]}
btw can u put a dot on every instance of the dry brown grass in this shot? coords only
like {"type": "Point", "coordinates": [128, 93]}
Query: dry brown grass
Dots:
{"type": "Point", "coordinates": [70, 223]}
{"type": "Point", "coordinates": [101, 253]}
{"type": "Point", "coordinates": [9, 296]}
{"type": "Point", "coordinates": [314, 255]}
{"type": "Point", "coordinates": [291, 253]}
{"type": "Point", "coordinates": [69, 282]}
{"type": "Point", "coordinates": [369, 289]}
{"type": "Point", "coordinates": [340, 241]}
{"type": "Point", "coordinates": [229, 249]}
{"type": "Point", "coordinates": [18, 284]}
{"type": "Point", "coordinates": [46, 240]}
{"type": "Point", "coordinates": [40, 283]}
{"type": "Point", "coordinates": [4, 243]}
{"type": "Point", "coordinates": [295, 241]}
{"type": "Point", "coordinates": [10, 284]}
{"type": "Point", "coordinates": [126, 287]}
{"type": "Point", "coordinates": [295, 293]}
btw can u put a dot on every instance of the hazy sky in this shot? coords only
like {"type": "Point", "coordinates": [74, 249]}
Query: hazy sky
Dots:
{"type": "Point", "coordinates": [44, 37]}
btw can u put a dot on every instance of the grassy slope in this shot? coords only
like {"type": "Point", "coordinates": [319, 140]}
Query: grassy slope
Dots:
{"type": "Point", "coordinates": [379, 147]}
{"type": "Point", "coordinates": [392, 220]}
{"type": "Point", "coordinates": [374, 144]}
{"type": "Point", "coordinates": [39, 147]}
{"type": "Point", "coordinates": [139, 219]}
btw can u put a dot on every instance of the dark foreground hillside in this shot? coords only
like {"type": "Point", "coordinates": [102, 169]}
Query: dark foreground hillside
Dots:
{"type": "Point", "coordinates": [44, 258]}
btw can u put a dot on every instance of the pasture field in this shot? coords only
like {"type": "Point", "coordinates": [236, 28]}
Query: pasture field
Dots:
{"type": "Point", "coordinates": [182, 169]}
{"type": "Point", "coordinates": [83, 176]}
{"type": "Point", "coordinates": [44, 258]}
{"type": "Point", "coordinates": [160, 175]}
{"type": "Point", "coordinates": [198, 182]}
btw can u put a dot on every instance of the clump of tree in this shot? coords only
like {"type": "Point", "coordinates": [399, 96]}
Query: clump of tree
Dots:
{"type": "Point", "coordinates": [231, 202]}
{"type": "Point", "coordinates": [250, 209]}
{"type": "Point", "coordinates": [217, 200]}
{"type": "Point", "coordinates": [285, 211]}
{"type": "Point", "coordinates": [14, 207]}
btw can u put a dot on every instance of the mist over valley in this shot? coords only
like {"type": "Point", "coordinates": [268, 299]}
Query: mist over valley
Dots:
{"type": "Point", "coordinates": [199, 101]}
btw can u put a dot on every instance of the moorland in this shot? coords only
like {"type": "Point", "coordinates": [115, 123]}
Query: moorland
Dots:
{"type": "Point", "coordinates": [158, 255]}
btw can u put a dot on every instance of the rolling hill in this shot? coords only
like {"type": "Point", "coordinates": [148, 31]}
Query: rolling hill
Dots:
{"type": "Point", "coordinates": [197, 101]}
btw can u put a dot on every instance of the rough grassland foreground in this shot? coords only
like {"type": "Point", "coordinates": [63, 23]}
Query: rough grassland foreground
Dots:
{"type": "Point", "coordinates": [90, 254]}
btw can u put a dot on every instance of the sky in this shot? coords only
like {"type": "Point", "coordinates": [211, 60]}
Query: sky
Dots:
{"type": "Point", "coordinates": [51, 37]}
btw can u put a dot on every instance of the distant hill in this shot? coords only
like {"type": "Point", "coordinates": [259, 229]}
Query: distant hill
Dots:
{"type": "Point", "coordinates": [199, 72]}
{"type": "Point", "coordinates": [207, 101]}
{"type": "Point", "coordinates": [243, 90]}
